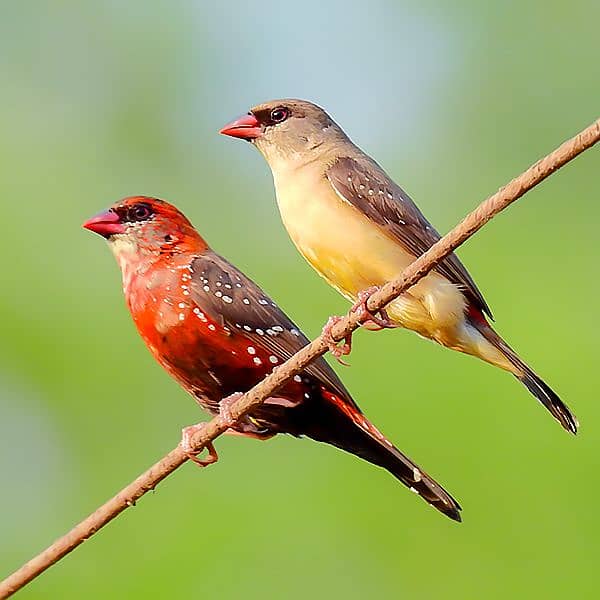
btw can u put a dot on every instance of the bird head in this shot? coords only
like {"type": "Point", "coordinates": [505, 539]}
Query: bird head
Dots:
{"type": "Point", "coordinates": [144, 227]}
{"type": "Point", "coordinates": [287, 130]}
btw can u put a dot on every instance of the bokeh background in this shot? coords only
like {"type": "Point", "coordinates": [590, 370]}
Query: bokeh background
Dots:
{"type": "Point", "coordinates": [103, 100]}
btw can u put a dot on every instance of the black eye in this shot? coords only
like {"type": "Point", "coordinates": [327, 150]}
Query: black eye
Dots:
{"type": "Point", "coordinates": [279, 114]}
{"type": "Point", "coordinates": [139, 212]}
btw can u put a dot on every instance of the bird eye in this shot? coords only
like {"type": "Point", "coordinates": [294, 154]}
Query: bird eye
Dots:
{"type": "Point", "coordinates": [279, 114]}
{"type": "Point", "coordinates": [139, 212]}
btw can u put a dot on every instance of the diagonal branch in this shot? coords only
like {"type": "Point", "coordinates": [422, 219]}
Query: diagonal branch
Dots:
{"type": "Point", "coordinates": [418, 269]}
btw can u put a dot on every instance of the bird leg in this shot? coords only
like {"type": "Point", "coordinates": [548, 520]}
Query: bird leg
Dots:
{"type": "Point", "coordinates": [187, 434]}
{"type": "Point", "coordinates": [367, 318]}
{"type": "Point", "coordinates": [338, 349]}
{"type": "Point", "coordinates": [225, 408]}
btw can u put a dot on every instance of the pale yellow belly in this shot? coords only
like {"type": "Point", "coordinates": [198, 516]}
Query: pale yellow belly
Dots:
{"type": "Point", "coordinates": [352, 254]}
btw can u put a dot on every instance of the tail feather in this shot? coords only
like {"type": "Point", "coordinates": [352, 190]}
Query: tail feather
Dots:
{"type": "Point", "coordinates": [360, 437]}
{"type": "Point", "coordinates": [548, 397]}
{"type": "Point", "coordinates": [542, 391]}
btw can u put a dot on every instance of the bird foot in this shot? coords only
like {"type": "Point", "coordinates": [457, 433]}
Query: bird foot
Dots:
{"type": "Point", "coordinates": [187, 435]}
{"type": "Point", "coordinates": [225, 408]}
{"type": "Point", "coordinates": [368, 319]}
{"type": "Point", "coordinates": [338, 349]}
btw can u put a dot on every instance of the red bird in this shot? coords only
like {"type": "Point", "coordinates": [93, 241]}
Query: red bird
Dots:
{"type": "Point", "coordinates": [218, 334]}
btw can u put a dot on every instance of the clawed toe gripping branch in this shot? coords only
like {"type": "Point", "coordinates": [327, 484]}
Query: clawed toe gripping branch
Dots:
{"type": "Point", "coordinates": [371, 320]}
{"type": "Point", "coordinates": [202, 437]}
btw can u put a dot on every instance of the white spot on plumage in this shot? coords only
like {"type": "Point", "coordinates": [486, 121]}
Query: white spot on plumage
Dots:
{"type": "Point", "coordinates": [251, 350]}
{"type": "Point", "coordinates": [297, 379]}
{"type": "Point", "coordinates": [219, 284]}
{"type": "Point", "coordinates": [181, 316]}
{"type": "Point", "coordinates": [246, 301]}
{"type": "Point", "coordinates": [181, 305]}
{"type": "Point", "coordinates": [295, 332]}
{"type": "Point", "coordinates": [260, 332]}
{"type": "Point", "coordinates": [277, 328]}
{"type": "Point", "coordinates": [228, 286]}
{"type": "Point", "coordinates": [218, 294]}
{"type": "Point", "coordinates": [306, 395]}
{"type": "Point", "coordinates": [212, 327]}
{"type": "Point", "coordinates": [417, 475]}
{"type": "Point", "coordinates": [273, 359]}
{"type": "Point", "coordinates": [227, 299]}
{"type": "Point", "coordinates": [206, 288]}
{"type": "Point", "coordinates": [257, 361]}
{"type": "Point", "coordinates": [263, 301]}
{"type": "Point", "coordinates": [247, 328]}
{"type": "Point", "coordinates": [412, 489]}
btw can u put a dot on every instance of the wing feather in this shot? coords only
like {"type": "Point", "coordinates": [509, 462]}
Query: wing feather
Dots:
{"type": "Point", "coordinates": [225, 293]}
{"type": "Point", "coordinates": [368, 189]}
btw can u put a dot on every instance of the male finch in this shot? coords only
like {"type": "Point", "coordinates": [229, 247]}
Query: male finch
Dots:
{"type": "Point", "coordinates": [218, 334]}
{"type": "Point", "coordinates": [359, 229]}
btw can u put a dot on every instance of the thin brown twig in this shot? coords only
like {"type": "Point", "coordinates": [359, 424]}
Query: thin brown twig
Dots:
{"type": "Point", "coordinates": [418, 269]}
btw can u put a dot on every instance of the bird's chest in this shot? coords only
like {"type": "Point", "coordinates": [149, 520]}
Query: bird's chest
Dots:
{"type": "Point", "coordinates": [343, 245]}
{"type": "Point", "coordinates": [180, 336]}
{"type": "Point", "coordinates": [196, 348]}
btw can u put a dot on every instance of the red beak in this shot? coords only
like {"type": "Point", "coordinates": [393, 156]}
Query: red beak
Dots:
{"type": "Point", "coordinates": [246, 128]}
{"type": "Point", "coordinates": [106, 223]}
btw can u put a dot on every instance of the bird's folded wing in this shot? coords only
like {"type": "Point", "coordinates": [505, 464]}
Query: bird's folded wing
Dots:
{"type": "Point", "coordinates": [370, 191]}
{"type": "Point", "coordinates": [226, 294]}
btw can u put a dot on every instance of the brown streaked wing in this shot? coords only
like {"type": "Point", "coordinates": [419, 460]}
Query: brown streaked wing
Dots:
{"type": "Point", "coordinates": [226, 294]}
{"type": "Point", "coordinates": [384, 202]}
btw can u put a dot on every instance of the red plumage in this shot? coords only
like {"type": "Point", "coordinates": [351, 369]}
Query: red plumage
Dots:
{"type": "Point", "coordinates": [218, 334]}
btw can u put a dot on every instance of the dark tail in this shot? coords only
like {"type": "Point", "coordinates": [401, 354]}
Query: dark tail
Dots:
{"type": "Point", "coordinates": [548, 397]}
{"type": "Point", "coordinates": [347, 429]}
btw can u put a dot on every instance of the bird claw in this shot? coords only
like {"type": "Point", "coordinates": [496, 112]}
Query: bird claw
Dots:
{"type": "Point", "coordinates": [367, 318]}
{"type": "Point", "coordinates": [225, 408]}
{"type": "Point", "coordinates": [187, 435]}
{"type": "Point", "coordinates": [338, 349]}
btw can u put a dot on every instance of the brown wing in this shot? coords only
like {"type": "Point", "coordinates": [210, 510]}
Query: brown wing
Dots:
{"type": "Point", "coordinates": [368, 189]}
{"type": "Point", "coordinates": [225, 293]}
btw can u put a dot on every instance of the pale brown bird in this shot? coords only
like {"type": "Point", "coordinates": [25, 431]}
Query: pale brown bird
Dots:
{"type": "Point", "coordinates": [359, 229]}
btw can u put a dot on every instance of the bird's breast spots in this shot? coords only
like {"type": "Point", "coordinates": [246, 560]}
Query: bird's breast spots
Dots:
{"type": "Point", "coordinates": [166, 319]}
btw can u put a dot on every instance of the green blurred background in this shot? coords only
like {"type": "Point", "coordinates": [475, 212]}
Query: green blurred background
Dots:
{"type": "Point", "coordinates": [103, 100]}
